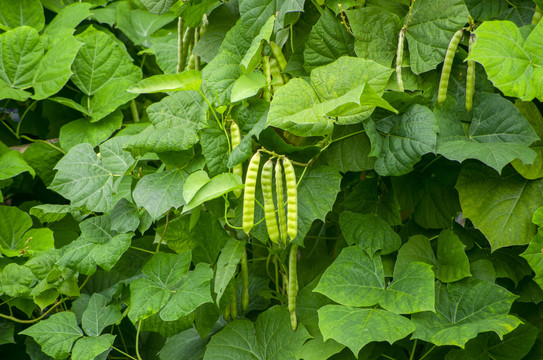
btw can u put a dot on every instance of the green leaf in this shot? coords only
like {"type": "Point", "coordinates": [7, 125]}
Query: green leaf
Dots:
{"type": "Point", "coordinates": [50, 212]}
{"type": "Point", "coordinates": [193, 11]}
{"type": "Point", "coordinates": [186, 345]}
{"type": "Point", "coordinates": [227, 265]}
{"type": "Point", "coordinates": [12, 164]}
{"type": "Point", "coordinates": [521, 59]}
{"type": "Point", "coordinates": [110, 97]}
{"type": "Point", "coordinates": [176, 120]}
{"type": "Point", "coordinates": [208, 244]}
{"type": "Point", "coordinates": [534, 256]}
{"type": "Point", "coordinates": [83, 179]}
{"type": "Point", "coordinates": [310, 109]}
{"type": "Point", "coordinates": [56, 334]}
{"type": "Point", "coordinates": [138, 25]}
{"type": "Point", "coordinates": [376, 33]}
{"type": "Point", "coordinates": [497, 135]}
{"type": "Point", "coordinates": [416, 249]}
{"type": "Point", "coordinates": [21, 13]}
{"type": "Point", "coordinates": [99, 315]}
{"type": "Point", "coordinates": [6, 333]}
{"type": "Point", "coordinates": [194, 182]}
{"type": "Point", "coordinates": [369, 232]}
{"type": "Point", "coordinates": [356, 279]}
{"type": "Point", "coordinates": [317, 349]}
{"type": "Point", "coordinates": [409, 136]}
{"type": "Point", "coordinates": [254, 54]}
{"type": "Point", "coordinates": [124, 217]}
{"type": "Point", "coordinates": [147, 298]}
{"type": "Point", "coordinates": [247, 85]}
{"type": "Point", "coordinates": [499, 206]}
{"type": "Point", "coordinates": [85, 255]}
{"type": "Point", "coordinates": [327, 41]}
{"type": "Point", "coordinates": [431, 26]}
{"type": "Point", "coordinates": [357, 327]}
{"type": "Point", "coordinates": [215, 150]}
{"type": "Point", "coordinates": [85, 131]}
{"type": "Point", "coordinates": [271, 338]}
{"type": "Point", "coordinates": [216, 187]}
{"type": "Point", "coordinates": [88, 348]}
{"type": "Point", "coordinates": [159, 192]}
{"type": "Point", "coordinates": [167, 269]}
{"type": "Point", "coordinates": [186, 80]}
{"type": "Point", "coordinates": [54, 69]}
{"type": "Point", "coordinates": [453, 263]}
{"type": "Point", "coordinates": [351, 153]}
{"type": "Point", "coordinates": [65, 21]}
{"type": "Point", "coordinates": [21, 50]}
{"type": "Point", "coordinates": [193, 292]}
{"type": "Point", "coordinates": [514, 346]}
{"type": "Point", "coordinates": [317, 194]}
{"type": "Point", "coordinates": [463, 310]}
{"type": "Point", "coordinates": [158, 6]}
{"type": "Point", "coordinates": [16, 280]}
{"type": "Point", "coordinates": [13, 224]}
{"type": "Point", "coordinates": [100, 62]}
{"type": "Point", "coordinates": [220, 73]}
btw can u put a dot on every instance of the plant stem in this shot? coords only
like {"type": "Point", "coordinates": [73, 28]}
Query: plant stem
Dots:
{"type": "Point", "coordinates": [122, 352]}
{"type": "Point", "coordinates": [144, 250]}
{"type": "Point", "coordinates": [137, 340]}
{"type": "Point", "coordinates": [134, 110]}
{"type": "Point", "coordinates": [180, 25]}
{"type": "Point", "coordinates": [413, 349]}
{"type": "Point", "coordinates": [164, 232]}
{"type": "Point", "coordinates": [429, 351]}
{"type": "Point", "coordinates": [31, 321]}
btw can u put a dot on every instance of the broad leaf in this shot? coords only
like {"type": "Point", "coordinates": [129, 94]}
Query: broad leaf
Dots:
{"type": "Point", "coordinates": [158, 6]}
{"type": "Point", "coordinates": [465, 309]}
{"type": "Point", "coordinates": [186, 345]}
{"type": "Point", "coordinates": [21, 50]}
{"type": "Point", "coordinates": [500, 206]}
{"type": "Point", "coordinates": [89, 348]}
{"type": "Point", "coordinates": [56, 334]}
{"type": "Point", "coordinates": [16, 280]}
{"type": "Point", "coordinates": [99, 315]}
{"type": "Point", "coordinates": [333, 95]}
{"type": "Point", "coordinates": [357, 327]}
{"type": "Point", "coordinates": [534, 256]}
{"type": "Point", "coordinates": [85, 131]}
{"type": "Point", "coordinates": [369, 232]}
{"type": "Point", "coordinates": [430, 28]}
{"type": "Point", "coordinates": [159, 192]}
{"type": "Point", "coordinates": [218, 186]}
{"type": "Point", "coordinates": [327, 41]}
{"type": "Point", "coordinates": [186, 80]}
{"type": "Point", "coordinates": [497, 135]}
{"type": "Point", "coordinates": [12, 164]}
{"type": "Point", "coordinates": [21, 13]}
{"type": "Point", "coordinates": [408, 137]}
{"type": "Point", "coordinates": [100, 62]}
{"type": "Point", "coordinates": [376, 33]}
{"type": "Point", "coordinates": [226, 265]}
{"type": "Point", "coordinates": [356, 279]}
{"type": "Point", "coordinates": [139, 25]}
{"type": "Point", "coordinates": [271, 338]}
{"type": "Point", "coordinates": [453, 263]}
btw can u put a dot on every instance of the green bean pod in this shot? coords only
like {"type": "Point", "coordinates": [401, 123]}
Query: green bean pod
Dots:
{"type": "Point", "coordinates": [269, 208]}
{"type": "Point", "coordinates": [470, 77]}
{"type": "Point", "coordinates": [266, 70]}
{"type": "Point", "coordinates": [280, 201]}
{"type": "Point", "coordinates": [249, 193]}
{"type": "Point", "coordinates": [235, 136]}
{"type": "Point", "coordinates": [244, 281]}
{"type": "Point", "coordinates": [292, 284]}
{"type": "Point", "coordinates": [399, 59]}
{"type": "Point", "coordinates": [292, 199]}
{"type": "Point", "coordinates": [447, 65]}
{"type": "Point", "coordinates": [226, 314]}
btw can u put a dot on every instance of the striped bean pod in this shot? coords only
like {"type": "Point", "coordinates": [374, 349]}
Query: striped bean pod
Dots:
{"type": "Point", "coordinates": [280, 201]}
{"type": "Point", "coordinates": [292, 199]}
{"type": "Point", "coordinates": [267, 193]}
{"type": "Point", "coordinates": [249, 193]}
{"type": "Point", "coordinates": [235, 135]}
{"type": "Point", "coordinates": [399, 59]}
{"type": "Point", "coordinates": [447, 66]}
{"type": "Point", "coordinates": [244, 281]}
{"type": "Point", "coordinates": [292, 284]}
{"type": "Point", "coordinates": [470, 78]}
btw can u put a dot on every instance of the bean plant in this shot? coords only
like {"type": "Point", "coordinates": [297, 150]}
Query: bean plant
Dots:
{"type": "Point", "coordinates": [271, 179]}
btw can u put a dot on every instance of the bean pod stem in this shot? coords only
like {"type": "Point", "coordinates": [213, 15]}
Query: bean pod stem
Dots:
{"type": "Point", "coordinates": [447, 65]}
{"type": "Point", "coordinates": [249, 194]}
{"type": "Point", "coordinates": [235, 135]}
{"type": "Point", "coordinates": [470, 77]}
{"type": "Point", "coordinates": [267, 193]}
{"type": "Point", "coordinates": [292, 199]}
{"type": "Point", "coordinates": [280, 201]}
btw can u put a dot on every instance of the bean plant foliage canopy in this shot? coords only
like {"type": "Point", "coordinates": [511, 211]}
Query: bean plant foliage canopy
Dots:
{"type": "Point", "coordinates": [271, 179]}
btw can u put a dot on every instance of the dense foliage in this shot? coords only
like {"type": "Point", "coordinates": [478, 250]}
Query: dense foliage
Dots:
{"type": "Point", "coordinates": [394, 212]}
